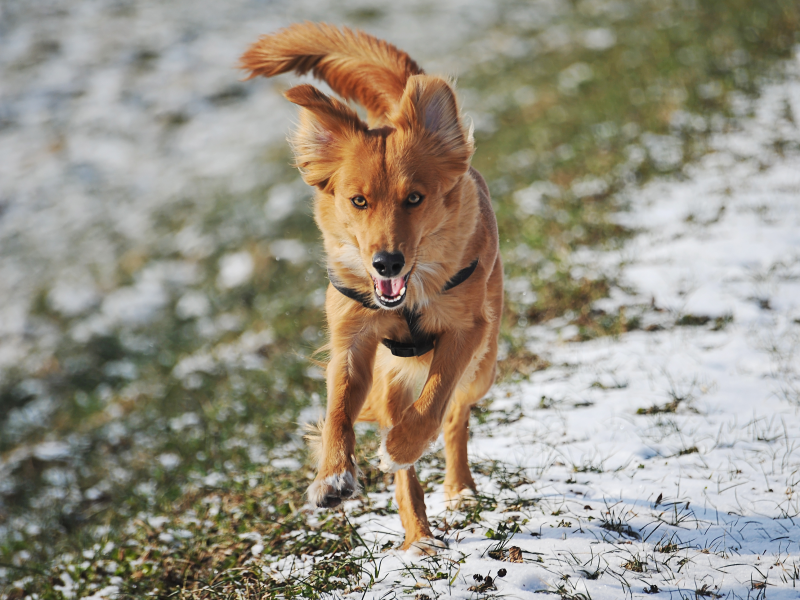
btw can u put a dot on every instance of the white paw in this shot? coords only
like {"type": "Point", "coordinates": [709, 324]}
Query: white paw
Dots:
{"type": "Point", "coordinates": [464, 497]}
{"type": "Point", "coordinates": [387, 465]}
{"type": "Point", "coordinates": [331, 491]}
{"type": "Point", "coordinates": [425, 547]}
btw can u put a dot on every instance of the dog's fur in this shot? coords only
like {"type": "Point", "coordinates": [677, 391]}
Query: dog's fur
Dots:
{"type": "Point", "coordinates": [415, 142]}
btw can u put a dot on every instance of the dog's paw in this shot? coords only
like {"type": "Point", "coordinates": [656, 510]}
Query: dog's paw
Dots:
{"type": "Point", "coordinates": [426, 546]}
{"type": "Point", "coordinates": [465, 497]}
{"type": "Point", "coordinates": [387, 464]}
{"type": "Point", "coordinates": [331, 491]}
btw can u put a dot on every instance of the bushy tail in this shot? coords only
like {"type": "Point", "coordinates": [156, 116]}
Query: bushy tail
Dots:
{"type": "Point", "coordinates": [357, 66]}
{"type": "Point", "coordinates": [313, 438]}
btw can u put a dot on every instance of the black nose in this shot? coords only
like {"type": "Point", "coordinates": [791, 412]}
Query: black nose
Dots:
{"type": "Point", "coordinates": [388, 264]}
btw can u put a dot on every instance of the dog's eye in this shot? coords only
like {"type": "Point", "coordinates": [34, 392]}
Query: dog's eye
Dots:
{"type": "Point", "coordinates": [414, 198]}
{"type": "Point", "coordinates": [359, 201]}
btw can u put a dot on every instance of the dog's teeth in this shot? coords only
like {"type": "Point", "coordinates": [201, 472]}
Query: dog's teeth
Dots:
{"type": "Point", "coordinates": [391, 299]}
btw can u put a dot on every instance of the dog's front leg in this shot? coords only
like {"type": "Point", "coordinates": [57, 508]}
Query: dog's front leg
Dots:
{"type": "Point", "coordinates": [407, 441]}
{"type": "Point", "coordinates": [349, 380]}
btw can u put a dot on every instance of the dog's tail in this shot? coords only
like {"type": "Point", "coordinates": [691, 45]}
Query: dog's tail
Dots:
{"type": "Point", "coordinates": [313, 437]}
{"type": "Point", "coordinates": [356, 65]}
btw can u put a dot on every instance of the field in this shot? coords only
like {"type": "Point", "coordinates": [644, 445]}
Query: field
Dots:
{"type": "Point", "coordinates": [161, 289]}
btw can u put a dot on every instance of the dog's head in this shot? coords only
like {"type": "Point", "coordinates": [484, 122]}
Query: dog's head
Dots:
{"type": "Point", "coordinates": [384, 194]}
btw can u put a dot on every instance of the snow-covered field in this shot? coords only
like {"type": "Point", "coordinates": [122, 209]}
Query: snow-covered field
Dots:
{"type": "Point", "coordinates": [665, 461]}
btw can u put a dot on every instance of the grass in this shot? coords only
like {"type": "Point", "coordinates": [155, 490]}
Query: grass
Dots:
{"type": "Point", "coordinates": [616, 521]}
{"type": "Point", "coordinates": [164, 437]}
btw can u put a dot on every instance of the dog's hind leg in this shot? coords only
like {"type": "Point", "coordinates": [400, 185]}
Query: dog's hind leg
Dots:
{"type": "Point", "coordinates": [411, 505]}
{"type": "Point", "coordinates": [458, 481]}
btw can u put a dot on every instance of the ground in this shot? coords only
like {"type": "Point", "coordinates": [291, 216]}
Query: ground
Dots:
{"type": "Point", "coordinates": [161, 298]}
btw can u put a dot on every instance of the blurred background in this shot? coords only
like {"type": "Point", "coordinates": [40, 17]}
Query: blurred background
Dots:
{"type": "Point", "coordinates": [161, 278]}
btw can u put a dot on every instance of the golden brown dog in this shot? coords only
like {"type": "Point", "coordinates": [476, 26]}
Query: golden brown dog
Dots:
{"type": "Point", "coordinates": [416, 288]}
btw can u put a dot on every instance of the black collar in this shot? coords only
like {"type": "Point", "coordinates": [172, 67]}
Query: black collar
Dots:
{"type": "Point", "coordinates": [421, 343]}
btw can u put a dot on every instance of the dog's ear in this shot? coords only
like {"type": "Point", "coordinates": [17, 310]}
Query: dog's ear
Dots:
{"type": "Point", "coordinates": [429, 104]}
{"type": "Point", "coordinates": [325, 124]}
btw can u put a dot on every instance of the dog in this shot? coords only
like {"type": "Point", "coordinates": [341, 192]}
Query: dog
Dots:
{"type": "Point", "coordinates": [416, 280]}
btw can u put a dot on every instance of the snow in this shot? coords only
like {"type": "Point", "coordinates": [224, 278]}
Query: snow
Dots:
{"type": "Point", "coordinates": [235, 269]}
{"type": "Point", "coordinates": [292, 250]}
{"type": "Point", "coordinates": [283, 200]}
{"type": "Point", "coordinates": [193, 304]}
{"type": "Point", "coordinates": [599, 38]}
{"type": "Point", "coordinates": [97, 139]}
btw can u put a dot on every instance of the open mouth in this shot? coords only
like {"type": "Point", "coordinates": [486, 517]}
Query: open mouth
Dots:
{"type": "Point", "coordinates": [391, 292]}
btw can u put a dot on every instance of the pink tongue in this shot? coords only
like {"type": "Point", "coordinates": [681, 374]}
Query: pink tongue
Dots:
{"type": "Point", "coordinates": [390, 287]}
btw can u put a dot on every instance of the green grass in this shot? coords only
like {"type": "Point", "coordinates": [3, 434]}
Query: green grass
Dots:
{"type": "Point", "coordinates": [153, 458]}
{"type": "Point", "coordinates": [667, 81]}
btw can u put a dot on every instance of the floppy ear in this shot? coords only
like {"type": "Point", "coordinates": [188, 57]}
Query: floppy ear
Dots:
{"type": "Point", "coordinates": [429, 104]}
{"type": "Point", "coordinates": [325, 124]}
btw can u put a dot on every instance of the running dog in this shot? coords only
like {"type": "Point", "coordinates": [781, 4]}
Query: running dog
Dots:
{"type": "Point", "coordinates": [416, 281]}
